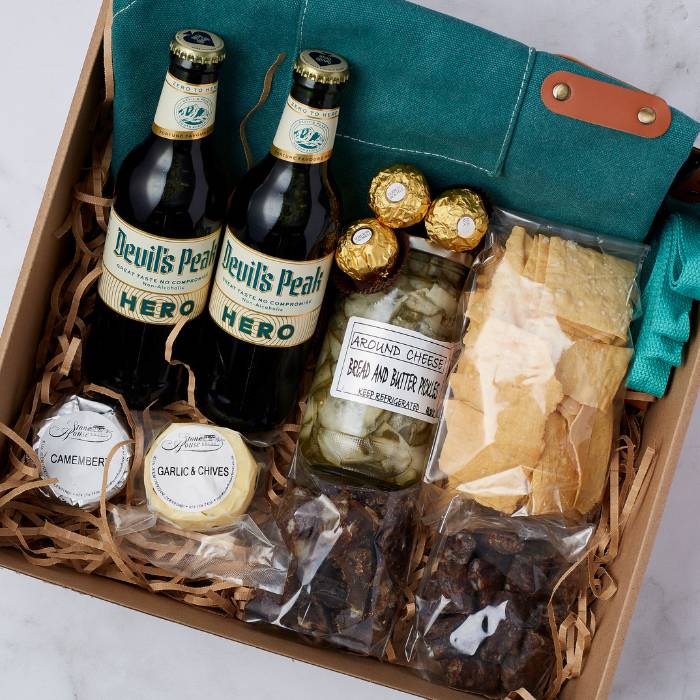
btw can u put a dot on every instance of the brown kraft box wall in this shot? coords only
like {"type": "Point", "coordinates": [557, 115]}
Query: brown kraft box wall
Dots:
{"type": "Point", "coordinates": [665, 428]}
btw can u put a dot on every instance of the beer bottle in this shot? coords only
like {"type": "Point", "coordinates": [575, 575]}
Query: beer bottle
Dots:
{"type": "Point", "coordinates": [275, 260]}
{"type": "Point", "coordinates": [163, 232]}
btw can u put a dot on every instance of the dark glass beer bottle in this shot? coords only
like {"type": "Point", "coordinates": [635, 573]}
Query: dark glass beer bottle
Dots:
{"type": "Point", "coordinates": [163, 232]}
{"type": "Point", "coordinates": [275, 260]}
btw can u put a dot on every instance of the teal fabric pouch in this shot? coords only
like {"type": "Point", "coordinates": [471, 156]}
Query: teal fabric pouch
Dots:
{"type": "Point", "coordinates": [460, 102]}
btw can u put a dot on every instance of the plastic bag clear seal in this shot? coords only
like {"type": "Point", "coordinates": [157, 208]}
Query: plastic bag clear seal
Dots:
{"type": "Point", "coordinates": [532, 407]}
{"type": "Point", "coordinates": [246, 552]}
{"type": "Point", "coordinates": [351, 549]}
{"type": "Point", "coordinates": [481, 622]}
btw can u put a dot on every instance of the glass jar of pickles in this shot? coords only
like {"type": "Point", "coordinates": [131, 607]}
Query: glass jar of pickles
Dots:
{"type": "Point", "coordinates": [382, 372]}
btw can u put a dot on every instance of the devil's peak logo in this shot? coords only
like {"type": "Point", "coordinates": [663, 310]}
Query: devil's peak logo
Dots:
{"type": "Point", "coordinates": [325, 59]}
{"type": "Point", "coordinates": [193, 442]}
{"type": "Point", "coordinates": [198, 37]}
{"type": "Point", "coordinates": [193, 112]}
{"type": "Point", "coordinates": [309, 135]}
{"type": "Point", "coordinates": [82, 433]}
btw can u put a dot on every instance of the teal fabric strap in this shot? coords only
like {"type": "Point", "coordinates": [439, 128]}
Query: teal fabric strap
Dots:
{"type": "Point", "coordinates": [672, 283]}
{"type": "Point", "coordinates": [460, 102]}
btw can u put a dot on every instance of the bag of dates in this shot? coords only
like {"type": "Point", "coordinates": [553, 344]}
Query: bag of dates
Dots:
{"type": "Point", "coordinates": [481, 621]}
{"type": "Point", "coordinates": [351, 550]}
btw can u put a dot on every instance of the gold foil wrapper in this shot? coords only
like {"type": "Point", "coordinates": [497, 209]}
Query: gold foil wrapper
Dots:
{"type": "Point", "coordinates": [367, 250]}
{"type": "Point", "coordinates": [457, 220]}
{"type": "Point", "coordinates": [399, 195]}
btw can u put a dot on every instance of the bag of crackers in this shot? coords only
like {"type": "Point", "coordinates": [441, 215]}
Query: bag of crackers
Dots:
{"type": "Point", "coordinates": [529, 418]}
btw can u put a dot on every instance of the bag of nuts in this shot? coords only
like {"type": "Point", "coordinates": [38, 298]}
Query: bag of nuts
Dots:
{"type": "Point", "coordinates": [481, 622]}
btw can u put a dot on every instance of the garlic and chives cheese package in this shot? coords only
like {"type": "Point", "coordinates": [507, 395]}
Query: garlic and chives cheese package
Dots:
{"type": "Point", "coordinates": [199, 477]}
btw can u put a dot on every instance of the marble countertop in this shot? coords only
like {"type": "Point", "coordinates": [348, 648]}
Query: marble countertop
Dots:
{"type": "Point", "coordinates": [61, 645]}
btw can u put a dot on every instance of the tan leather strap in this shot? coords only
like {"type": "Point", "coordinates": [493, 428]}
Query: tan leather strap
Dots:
{"type": "Point", "coordinates": [604, 104]}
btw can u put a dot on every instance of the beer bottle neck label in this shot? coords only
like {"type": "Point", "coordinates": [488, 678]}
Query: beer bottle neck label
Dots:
{"type": "Point", "coordinates": [186, 111]}
{"type": "Point", "coordinates": [264, 300]}
{"type": "Point", "coordinates": [152, 279]}
{"type": "Point", "coordinates": [305, 134]}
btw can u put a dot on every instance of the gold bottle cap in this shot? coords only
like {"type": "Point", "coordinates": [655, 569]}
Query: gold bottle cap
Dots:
{"type": "Point", "coordinates": [322, 67]}
{"type": "Point", "coordinates": [457, 220]}
{"type": "Point", "coordinates": [399, 195]}
{"type": "Point", "coordinates": [367, 250]}
{"type": "Point", "coordinates": [198, 46]}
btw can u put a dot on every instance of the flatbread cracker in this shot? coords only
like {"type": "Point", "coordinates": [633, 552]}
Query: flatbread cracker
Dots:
{"type": "Point", "coordinates": [593, 458]}
{"type": "Point", "coordinates": [506, 491]}
{"type": "Point", "coordinates": [515, 249]}
{"type": "Point", "coordinates": [589, 289]}
{"type": "Point", "coordinates": [591, 372]}
{"type": "Point", "coordinates": [555, 478]}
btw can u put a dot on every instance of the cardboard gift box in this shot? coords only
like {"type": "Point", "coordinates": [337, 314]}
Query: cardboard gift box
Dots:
{"type": "Point", "coordinates": [664, 430]}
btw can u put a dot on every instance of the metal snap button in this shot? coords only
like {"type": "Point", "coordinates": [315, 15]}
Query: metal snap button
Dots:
{"type": "Point", "coordinates": [561, 92]}
{"type": "Point", "coordinates": [646, 115]}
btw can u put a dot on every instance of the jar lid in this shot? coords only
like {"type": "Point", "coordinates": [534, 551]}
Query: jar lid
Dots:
{"type": "Point", "coordinates": [198, 46]}
{"type": "Point", "coordinates": [425, 246]}
{"type": "Point", "coordinates": [322, 67]}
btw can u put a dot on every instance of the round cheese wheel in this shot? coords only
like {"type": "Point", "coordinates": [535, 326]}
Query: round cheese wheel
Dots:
{"type": "Point", "coordinates": [199, 477]}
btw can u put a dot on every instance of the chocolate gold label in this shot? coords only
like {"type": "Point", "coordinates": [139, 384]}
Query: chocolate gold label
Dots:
{"type": "Point", "coordinates": [154, 279]}
{"type": "Point", "coordinates": [305, 134]}
{"type": "Point", "coordinates": [264, 300]}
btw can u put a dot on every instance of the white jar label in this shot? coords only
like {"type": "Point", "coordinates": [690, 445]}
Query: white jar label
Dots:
{"type": "Point", "coordinates": [74, 449]}
{"type": "Point", "coordinates": [392, 368]}
{"type": "Point", "coordinates": [193, 469]}
{"type": "Point", "coordinates": [185, 111]}
{"type": "Point", "coordinates": [153, 279]}
{"type": "Point", "coordinates": [305, 134]}
{"type": "Point", "coordinates": [264, 300]}
{"type": "Point", "coordinates": [466, 226]}
{"type": "Point", "coordinates": [395, 192]}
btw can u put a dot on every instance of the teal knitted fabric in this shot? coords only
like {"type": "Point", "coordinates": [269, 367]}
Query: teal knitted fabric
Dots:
{"type": "Point", "coordinates": [672, 281]}
{"type": "Point", "coordinates": [460, 102]}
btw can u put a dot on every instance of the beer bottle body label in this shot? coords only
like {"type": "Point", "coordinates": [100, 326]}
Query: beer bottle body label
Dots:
{"type": "Point", "coordinates": [186, 112]}
{"type": "Point", "coordinates": [305, 134]}
{"type": "Point", "coordinates": [264, 300]}
{"type": "Point", "coordinates": [152, 279]}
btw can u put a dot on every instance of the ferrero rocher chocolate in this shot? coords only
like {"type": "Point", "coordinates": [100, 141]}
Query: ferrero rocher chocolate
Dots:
{"type": "Point", "coordinates": [399, 195]}
{"type": "Point", "coordinates": [367, 250]}
{"type": "Point", "coordinates": [457, 220]}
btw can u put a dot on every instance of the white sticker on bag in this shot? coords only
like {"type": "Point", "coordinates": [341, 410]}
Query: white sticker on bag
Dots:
{"type": "Point", "coordinates": [392, 368]}
{"type": "Point", "coordinates": [193, 469]}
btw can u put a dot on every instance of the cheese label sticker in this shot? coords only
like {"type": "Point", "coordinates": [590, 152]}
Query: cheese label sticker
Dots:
{"type": "Point", "coordinates": [74, 450]}
{"type": "Point", "coordinates": [153, 279]}
{"type": "Point", "coordinates": [193, 469]}
{"type": "Point", "coordinates": [264, 300]}
{"type": "Point", "coordinates": [392, 368]}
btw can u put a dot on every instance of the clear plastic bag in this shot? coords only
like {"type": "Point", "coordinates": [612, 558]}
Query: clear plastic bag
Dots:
{"type": "Point", "coordinates": [351, 549]}
{"type": "Point", "coordinates": [247, 550]}
{"type": "Point", "coordinates": [529, 418]}
{"type": "Point", "coordinates": [481, 622]}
